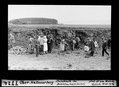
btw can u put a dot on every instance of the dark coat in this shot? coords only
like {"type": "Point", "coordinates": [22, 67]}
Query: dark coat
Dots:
{"type": "Point", "coordinates": [109, 42]}
{"type": "Point", "coordinates": [104, 45]}
{"type": "Point", "coordinates": [92, 45]}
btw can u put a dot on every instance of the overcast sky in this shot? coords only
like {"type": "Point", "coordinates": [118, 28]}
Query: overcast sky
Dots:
{"type": "Point", "coordinates": [66, 14]}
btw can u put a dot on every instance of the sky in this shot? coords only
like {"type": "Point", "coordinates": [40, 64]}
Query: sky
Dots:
{"type": "Point", "coordinates": [65, 14]}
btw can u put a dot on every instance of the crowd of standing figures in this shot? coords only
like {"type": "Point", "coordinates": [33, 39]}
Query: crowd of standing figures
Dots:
{"type": "Point", "coordinates": [41, 44]}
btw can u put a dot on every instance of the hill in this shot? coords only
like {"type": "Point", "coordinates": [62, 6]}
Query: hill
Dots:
{"type": "Point", "coordinates": [34, 21]}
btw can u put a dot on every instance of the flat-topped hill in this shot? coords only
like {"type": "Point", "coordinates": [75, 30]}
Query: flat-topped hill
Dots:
{"type": "Point", "coordinates": [34, 21]}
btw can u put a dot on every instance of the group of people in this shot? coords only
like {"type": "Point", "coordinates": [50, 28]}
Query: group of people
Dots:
{"type": "Point", "coordinates": [40, 44]}
{"type": "Point", "coordinates": [91, 46]}
{"type": "Point", "coordinates": [43, 44]}
{"type": "Point", "coordinates": [69, 44]}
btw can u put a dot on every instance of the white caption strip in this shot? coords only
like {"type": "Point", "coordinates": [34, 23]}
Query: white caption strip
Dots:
{"type": "Point", "coordinates": [59, 83]}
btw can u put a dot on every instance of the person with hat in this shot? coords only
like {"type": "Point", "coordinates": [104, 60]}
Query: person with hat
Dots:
{"type": "Point", "coordinates": [50, 44]}
{"type": "Point", "coordinates": [36, 43]}
{"type": "Point", "coordinates": [92, 46]}
{"type": "Point", "coordinates": [31, 45]}
{"type": "Point", "coordinates": [104, 47]}
{"type": "Point", "coordinates": [41, 44]}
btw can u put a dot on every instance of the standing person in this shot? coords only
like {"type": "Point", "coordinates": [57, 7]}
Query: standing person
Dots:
{"type": "Point", "coordinates": [29, 45]}
{"type": "Point", "coordinates": [104, 48]}
{"type": "Point", "coordinates": [39, 38]}
{"type": "Point", "coordinates": [36, 45]}
{"type": "Point", "coordinates": [96, 45]}
{"type": "Point", "coordinates": [77, 42]}
{"type": "Point", "coordinates": [66, 45]}
{"type": "Point", "coordinates": [31, 48]}
{"type": "Point", "coordinates": [74, 43]}
{"type": "Point", "coordinates": [50, 44]}
{"type": "Point", "coordinates": [62, 45]}
{"type": "Point", "coordinates": [12, 38]}
{"type": "Point", "coordinates": [92, 47]}
{"type": "Point", "coordinates": [109, 43]}
{"type": "Point", "coordinates": [71, 44]}
{"type": "Point", "coordinates": [45, 49]}
{"type": "Point", "coordinates": [41, 44]}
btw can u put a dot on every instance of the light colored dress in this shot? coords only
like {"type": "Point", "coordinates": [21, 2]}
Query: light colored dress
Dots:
{"type": "Point", "coordinates": [45, 44]}
{"type": "Point", "coordinates": [62, 46]}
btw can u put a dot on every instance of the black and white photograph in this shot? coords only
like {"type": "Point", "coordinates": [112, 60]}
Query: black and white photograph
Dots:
{"type": "Point", "coordinates": [59, 37]}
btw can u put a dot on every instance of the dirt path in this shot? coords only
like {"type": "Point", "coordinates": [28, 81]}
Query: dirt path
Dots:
{"type": "Point", "coordinates": [54, 61]}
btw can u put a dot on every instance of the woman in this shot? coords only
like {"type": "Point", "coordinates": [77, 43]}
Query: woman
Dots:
{"type": "Point", "coordinates": [45, 49]}
{"type": "Point", "coordinates": [62, 45]}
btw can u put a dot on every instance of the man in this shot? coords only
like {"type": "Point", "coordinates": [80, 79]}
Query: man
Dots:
{"type": "Point", "coordinates": [104, 48]}
{"type": "Point", "coordinates": [36, 45]}
{"type": "Point", "coordinates": [71, 44]}
{"type": "Point", "coordinates": [77, 42]}
{"type": "Point", "coordinates": [92, 47]}
{"type": "Point", "coordinates": [50, 44]}
{"type": "Point", "coordinates": [41, 41]}
{"type": "Point", "coordinates": [31, 45]}
{"type": "Point", "coordinates": [109, 43]}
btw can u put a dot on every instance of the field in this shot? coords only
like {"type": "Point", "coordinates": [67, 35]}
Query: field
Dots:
{"type": "Point", "coordinates": [59, 61]}
{"type": "Point", "coordinates": [24, 27]}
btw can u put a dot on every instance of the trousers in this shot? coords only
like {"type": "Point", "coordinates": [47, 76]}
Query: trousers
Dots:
{"type": "Point", "coordinates": [104, 51]}
{"type": "Point", "coordinates": [92, 53]}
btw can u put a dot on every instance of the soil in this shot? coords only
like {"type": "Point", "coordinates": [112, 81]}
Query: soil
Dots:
{"type": "Point", "coordinates": [59, 61]}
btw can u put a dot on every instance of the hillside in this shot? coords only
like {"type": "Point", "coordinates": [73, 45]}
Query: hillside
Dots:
{"type": "Point", "coordinates": [16, 27]}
